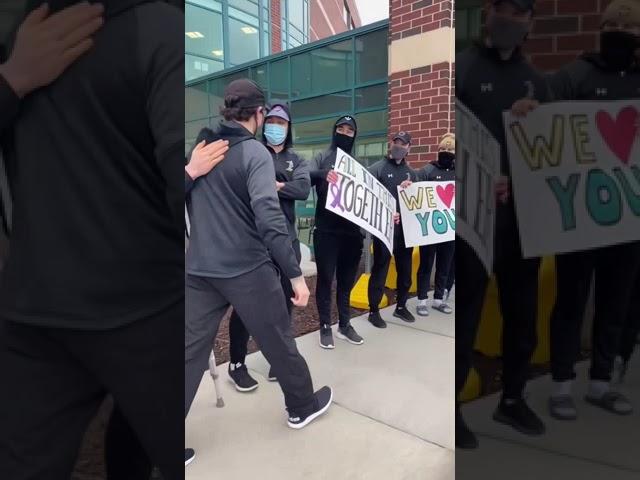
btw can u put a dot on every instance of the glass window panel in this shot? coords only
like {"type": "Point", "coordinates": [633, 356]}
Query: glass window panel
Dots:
{"type": "Point", "coordinates": [296, 13]}
{"type": "Point", "coordinates": [279, 73]}
{"type": "Point", "coordinates": [246, 5]}
{"type": "Point", "coordinates": [216, 90]}
{"type": "Point", "coordinates": [323, 69]}
{"type": "Point", "coordinates": [244, 17]}
{"type": "Point", "coordinates": [211, 4]}
{"type": "Point", "coordinates": [191, 130]}
{"type": "Point", "coordinates": [244, 43]}
{"type": "Point", "coordinates": [259, 75]}
{"type": "Point", "coordinates": [196, 67]}
{"type": "Point", "coordinates": [370, 97]}
{"type": "Point", "coordinates": [293, 42]}
{"type": "Point", "coordinates": [325, 105]}
{"type": "Point", "coordinates": [196, 102]}
{"type": "Point", "coordinates": [372, 57]}
{"type": "Point", "coordinates": [318, 129]}
{"type": "Point", "coordinates": [266, 44]}
{"type": "Point", "coordinates": [203, 32]}
{"type": "Point", "coordinates": [372, 122]}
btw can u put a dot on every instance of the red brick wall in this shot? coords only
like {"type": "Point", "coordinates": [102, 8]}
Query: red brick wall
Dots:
{"type": "Point", "coordinates": [421, 100]}
{"type": "Point", "coordinates": [276, 27]}
{"type": "Point", "coordinates": [563, 29]}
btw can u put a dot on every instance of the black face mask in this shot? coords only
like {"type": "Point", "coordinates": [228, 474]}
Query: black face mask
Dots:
{"type": "Point", "coordinates": [506, 34]}
{"type": "Point", "coordinates": [397, 152]}
{"type": "Point", "coordinates": [618, 49]}
{"type": "Point", "coordinates": [344, 142]}
{"type": "Point", "coordinates": [446, 159]}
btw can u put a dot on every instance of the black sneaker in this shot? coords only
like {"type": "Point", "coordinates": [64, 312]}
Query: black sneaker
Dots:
{"type": "Point", "coordinates": [349, 334]}
{"type": "Point", "coordinates": [272, 376]}
{"type": "Point", "coordinates": [240, 377]}
{"type": "Point", "coordinates": [324, 397]}
{"type": "Point", "coordinates": [517, 414]}
{"type": "Point", "coordinates": [189, 456]}
{"type": "Point", "coordinates": [404, 314]}
{"type": "Point", "coordinates": [326, 337]}
{"type": "Point", "coordinates": [465, 438]}
{"type": "Point", "coordinates": [376, 320]}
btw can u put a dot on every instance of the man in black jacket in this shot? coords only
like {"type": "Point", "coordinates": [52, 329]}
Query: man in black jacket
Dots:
{"type": "Point", "coordinates": [93, 291]}
{"type": "Point", "coordinates": [443, 170]}
{"type": "Point", "coordinates": [490, 76]}
{"type": "Point", "coordinates": [231, 263]}
{"type": "Point", "coordinates": [392, 171]}
{"type": "Point", "coordinates": [337, 242]}
{"type": "Point", "coordinates": [292, 183]}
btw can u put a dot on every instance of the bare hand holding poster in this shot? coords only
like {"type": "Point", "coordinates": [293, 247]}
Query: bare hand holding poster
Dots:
{"type": "Point", "coordinates": [428, 212]}
{"type": "Point", "coordinates": [576, 175]}
{"type": "Point", "coordinates": [477, 170]}
{"type": "Point", "coordinates": [361, 199]}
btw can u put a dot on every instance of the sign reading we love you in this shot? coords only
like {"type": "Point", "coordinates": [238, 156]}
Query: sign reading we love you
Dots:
{"type": "Point", "coordinates": [428, 212]}
{"type": "Point", "coordinates": [576, 175]}
{"type": "Point", "coordinates": [361, 199]}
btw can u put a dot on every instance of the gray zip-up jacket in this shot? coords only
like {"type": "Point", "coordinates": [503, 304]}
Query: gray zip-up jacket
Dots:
{"type": "Point", "coordinates": [237, 224]}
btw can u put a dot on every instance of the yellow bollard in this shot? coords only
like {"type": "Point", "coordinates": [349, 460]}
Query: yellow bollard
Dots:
{"type": "Point", "coordinates": [488, 340]}
{"type": "Point", "coordinates": [392, 277]}
{"type": "Point", "coordinates": [360, 294]}
{"type": "Point", "coordinates": [472, 387]}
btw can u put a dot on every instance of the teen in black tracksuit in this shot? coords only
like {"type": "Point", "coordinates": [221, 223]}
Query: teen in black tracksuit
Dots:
{"type": "Point", "coordinates": [392, 171]}
{"type": "Point", "coordinates": [607, 75]}
{"type": "Point", "coordinates": [337, 242]}
{"type": "Point", "coordinates": [489, 80]}
{"type": "Point", "coordinates": [443, 170]}
{"type": "Point", "coordinates": [292, 177]}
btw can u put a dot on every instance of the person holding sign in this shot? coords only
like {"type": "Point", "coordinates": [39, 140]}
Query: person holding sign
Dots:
{"type": "Point", "coordinates": [292, 183]}
{"type": "Point", "coordinates": [613, 73]}
{"type": "Point", "coordinates": [490, 76]}
{"type": "Point", "coordinates": [337, 241]}
{"type": "Point", "coordinates": [392, 172]}
{"type": "Point", "coordinates": [229, 263]}
{"type": "Point", "coordinates": [443, 170]}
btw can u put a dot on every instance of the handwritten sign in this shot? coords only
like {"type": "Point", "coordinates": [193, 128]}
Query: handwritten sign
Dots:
{"type": "Point", "coordinates": [576, 175]}
{"type": "Point", "coordinates": [477, 170]}
{"type": "Point", "coordinates": [428, 212]}
{"type": "Point", "coordinates": [361, 199]}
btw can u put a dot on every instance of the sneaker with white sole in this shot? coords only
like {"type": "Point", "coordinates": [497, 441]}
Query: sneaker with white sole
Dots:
{"type": "Point", "coordinates": [189, 456]}
{"type": "Point", "coordinates": [423, 310]}
{"type": "Point", "coordinates": [272, 376]}
{"type": "Point", "coordinates": [239, 376]}
{"type": "Point", "coordinates": [326, 337]}
{"type": "Point", "coordinates": [349, 334]}
{"type": "Point", "coordinates": [442, 307]}
{"type": "Point", "coordinates": [323, 399]}
{"type": "Point", "coordinates": [404, 314]}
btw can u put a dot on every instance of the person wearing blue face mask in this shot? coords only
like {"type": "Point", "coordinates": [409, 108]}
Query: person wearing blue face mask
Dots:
{"type": "Point", "coordinates": [292, 183]}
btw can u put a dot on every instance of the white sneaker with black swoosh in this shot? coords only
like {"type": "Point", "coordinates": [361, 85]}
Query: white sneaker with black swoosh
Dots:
{"type": "Point", "coordinates": [324, 397]}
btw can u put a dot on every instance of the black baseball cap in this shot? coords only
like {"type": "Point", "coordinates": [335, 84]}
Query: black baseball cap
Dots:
{"type": "Point", "coordinates": [404, 136]}
{"type": "Point", "coordinates": [524, 5]}
{"type": "Point", "coordinates": [243, 93]}
{"type": "Point", "coordinates": [346, 120]}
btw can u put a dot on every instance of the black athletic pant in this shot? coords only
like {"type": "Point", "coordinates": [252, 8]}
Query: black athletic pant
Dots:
{"type": "Point", "coordinates": [380, 269]}
{"type": "Point", "coordinates": [632, 326]}
{"type": "Point", "coordinates": [336, 255]}
{"type": "Point", "coordinates": [517, 280]}
{"type": "Point", "coordinates": [443, 254]}
{"type": "Point", "coordinates": [238, 333]}
{"type": "Point", "coordinates": [260, 302]}
{"type": "Point", "coordinates": [470, 294]}
{"type": "Point", "coordinates": [615, 270]}
{"type": "Point", "coordinates": [54, 380]}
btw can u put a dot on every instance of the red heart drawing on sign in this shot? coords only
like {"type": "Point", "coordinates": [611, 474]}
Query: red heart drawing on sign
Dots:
{"type": "Point", "coordinates": [446, 194]}
{"type": "Point", "coordinates": [619, 134]}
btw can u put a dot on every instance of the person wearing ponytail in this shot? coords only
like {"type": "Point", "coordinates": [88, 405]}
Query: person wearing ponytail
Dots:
{"type": "Point", "coordinates": [292, 183]}
{"type": "Point", "coordinates": [442, 170]}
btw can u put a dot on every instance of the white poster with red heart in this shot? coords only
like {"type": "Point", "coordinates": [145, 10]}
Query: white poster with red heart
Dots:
{"type": "Point", "coordinates": [428, 213]}
{"type": "Point", "coordinates": [575, 169]}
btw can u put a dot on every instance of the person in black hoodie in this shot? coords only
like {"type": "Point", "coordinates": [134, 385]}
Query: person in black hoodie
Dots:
{"type": "Point", "coordinates": [292, 183]}
{"type": "Point", "coordinates": [491, 76]}
{"type": "Point", "coordinates": [238, 233]}
{"type": "Point", "coordinates": [392, 171]}
{"type": "Point", "coordinates": [613, 73]}
{"type": "Point", "coordinates": [337, 242]}
{"type": "Point", "coordinates": [442, 170]}
{"type": "Point", "coordinates": [92, 295]}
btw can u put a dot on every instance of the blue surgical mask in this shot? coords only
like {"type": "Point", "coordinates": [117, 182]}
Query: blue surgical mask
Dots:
{"type": "Point", "coordinates": [275, 134]}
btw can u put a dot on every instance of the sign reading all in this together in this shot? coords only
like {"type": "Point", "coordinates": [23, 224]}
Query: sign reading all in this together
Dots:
{"type": "Point", "coordinates": [576, 175]}
{"type": "Point", "coordinates": [361, 199]}
{"type": "Point", "coordinates": [428, 212]}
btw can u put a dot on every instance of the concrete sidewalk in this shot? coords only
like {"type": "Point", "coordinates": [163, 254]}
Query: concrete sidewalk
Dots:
{"type": "Point", "coordinates": [392, 418]}
{"type": "Point", "coordinates": [597, 446]}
